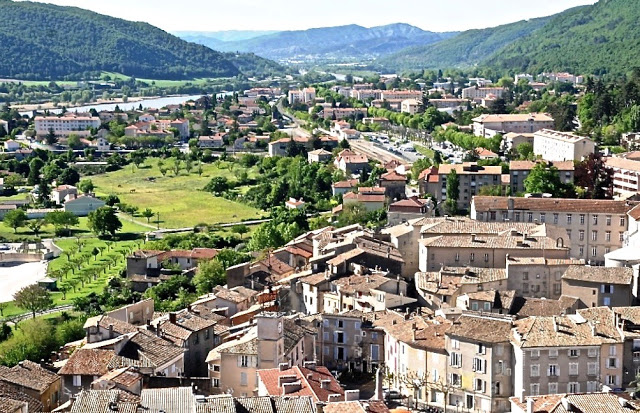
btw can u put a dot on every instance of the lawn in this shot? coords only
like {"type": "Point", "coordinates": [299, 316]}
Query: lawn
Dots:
{"type": "Point", "coordinates": [424, 150]}
{"type": "Point", "coordinates": [180, 199]}
{"type": "Point", "coordinates": [83, 272]}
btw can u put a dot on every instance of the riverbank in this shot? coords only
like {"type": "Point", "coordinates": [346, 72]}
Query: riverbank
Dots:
{"type": "Point", "coordinates": [70, 106]}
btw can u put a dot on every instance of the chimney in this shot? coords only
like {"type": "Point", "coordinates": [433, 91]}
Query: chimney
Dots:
{"type": "Point", "coordinates": [288, 388]}
{"type": "Point", "coordinates": [555, 324]}
{"type": "Point", "coordinates": [172, 318]}
{"type": "Point", "coordinates": [283, 366]}
{"type": "Point", "coordinates": [413, 331]}
{"type": "Point", "coordinates": [530, 405]}
{"type": "Point", "coordinates": [309, 376]}
{"type": "Point", "coordinates": [319, 407]}
{"type": "Point", "coordinates": [351, 395]}
{"type": "Point", "coordinates": [287, 378]}
{"type": "Point", "coordinates": [473, 237]}
{"type": "Point", "coordinates": [311, 365]}
{"type": "Point", "coordinates": [324, 384]}
{"type": "Point", "coordinates": [110, 330]}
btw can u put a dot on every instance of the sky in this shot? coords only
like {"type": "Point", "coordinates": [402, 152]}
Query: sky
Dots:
{"type": "Point", "coordinates": [218, 15]}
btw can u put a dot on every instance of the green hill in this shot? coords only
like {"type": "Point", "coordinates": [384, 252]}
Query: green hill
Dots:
{"type": "Point", "coordinates": [42, 41]}
{"type": "Point", "coordinates": [464, 50]}
{"type": "Point", "coordinates": [598, 39]}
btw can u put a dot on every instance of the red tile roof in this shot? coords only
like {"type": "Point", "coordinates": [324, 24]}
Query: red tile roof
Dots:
{"type": "Point", "coordinates": [310, 380]}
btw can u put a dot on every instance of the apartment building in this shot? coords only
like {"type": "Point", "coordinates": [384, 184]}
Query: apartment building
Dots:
{"type": "Point", "coordinates": [594, 227]}
{"type": "Point", "coordinates": [626, 320]}
{"type": "Point", "coordinates": [601, 286]}
{"type": "Point", "coordinates": [626, 175]}
{"type": "Point", "coordinates": [474, 92]}
{"type": "Point", "coordinates": [305, 95]}
{"type": "Point", "coordinates": [401, 95]}
{"type": "Point", "coordinates": [411, 106]}
{"type": "Point", "coordinates": [490, 125]}
{"type": "Point", "coordinates": [564, 354]}
{"type": "Point", "coordinates": [471, 178]}
{"type": "Point", "coordinates": [538, 277]}
{"type": "Point", "coordinates": [491, 251]}
{"type": "Point", "coordinates": [552, 145]}
{"type": "Point", "coordinates": [65, 125]}
{"type": "Point", "coordinates": [520, 170]}
{"type": "Point", "coordinates": [480, 359]}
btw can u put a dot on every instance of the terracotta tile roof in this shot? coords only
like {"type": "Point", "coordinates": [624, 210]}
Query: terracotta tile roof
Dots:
{"type": "Point", "coordinates": [29, 375]}
{"type": "Point", "coordinates": [528, 165]}
{"type": "Point", "coordinates": [580, 403]}
{"type": "Point", "coordinates": [247, 344]}
{"type": "Point", "coordinates": [413, 201]}
{"type": "Point", "coordinates": [8, 405]}
{"type": "Point", "coordinates": [431, 173]}
{"type": "Point", "coordinates": [542, 404]}
{"type": "Point", "coordinates": [11, 395]}
{"type": "Point", "coordinates": [502, 241]}
{"type": "Point", "coordinates": [494, 203]}
{"type": "Point", "coordinates": [125, 376]}
{"type": "Point", "coordinates": [372, 190]}
{"type": "Point", "coordinates": [100, 401]}
{"type": "Point", "coordinates": [344, 407]}
{"type": "Point", "coordinates": [105, 321]}
{"type": "Point", "coordinates": [429, 334]}
{"type": "Point", "coordinates": [350, 183]}
{"type": "Point", "coordinates": [542, 261]}
{"type": "Point", "coordinates": [635, 212]}
{"type": "Point", "coordinates": [235, 295]}
{"type": "Point", "coordinates": [314, 279]}
{"type": "Point", "coordinates": [517, 117]}
{"type": "Point", "coordinates": [310, 382]}
{"type": "Point", "coordinates": [145, 345]}
{"type": "Point", "coordinates": [364, 197]}
{"type": "Point", "coordinates": [482, 328]}
{"type": "Point", "coordinates": [393, 176]}
{"type": "Point", "coordinates": [489, 295]}
{"type": "Point", "coordinates": [88, 362]}
{"type": "Point", "coordinates": [621, 163]}
{"type": "Point", "coordinates": [610, 275]}
{"type": "Point", "coordinates": [295, 250]}
{"type": "Point", "coordinates": [345, 256]}
{"type": "Point", "coordinates": [173, 399]}
{"type": "Point", "coordinates": [459, 225]}
{"type": "Point", "coordinates": [360, 283]}
{"type": "Point", "coordinates": [145, 253]}
{"type": "Point", "coordinates": [541, 307]}
{"type": "Point", "coordinates": [469, 168]}
{"type": "Point", "coordinates": [603, 321]}
{"type": "Point", "coordinates": [485, 152]}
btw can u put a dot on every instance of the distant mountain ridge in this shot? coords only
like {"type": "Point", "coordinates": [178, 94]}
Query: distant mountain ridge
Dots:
{"type": "Point", "coordinates": [330, 42]}
{"type": "Point", "coordinates": [44, 41]}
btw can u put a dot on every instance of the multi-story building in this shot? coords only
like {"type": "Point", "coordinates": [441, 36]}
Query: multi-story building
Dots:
{"type": "Point", "coordinates": [552, 145]}
{"type": "Point", "coordinates": [411, 106]}
{"type": "Point", "coordinates": [471, 177]}
{"type": "Point", "coordinates": [569, 354]}
{"type": "Point", "coordinates": [490, 125]}
{"type": "Point", "coordinates": [479, 371]}
{"type": "Point", "coordinates": [401, 95]}
{"type": "Point", "coordinates": [512, 140]}
{"type": "Point", "coordinates": [626, 175]}
{"type": "Point", "coordinates": [520, 170]}
{"type": "Point", "coordinates": [474, 92]}
{"type": "Point", "coordinates": [601, 286]}
{"type": "Point", "coordinates": [594, 227]}
{"type": "Point", "coordinates": [305, 95]}
{"type": "Point", "coordinates": [491, 250]}
{"type": "Point", "coordinates": [537, 277]}
{"type": "Point", "coordinates": [65, 125]}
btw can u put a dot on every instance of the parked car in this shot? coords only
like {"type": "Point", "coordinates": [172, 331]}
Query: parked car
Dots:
{"type": "Point", "coordinates": [391, 394]}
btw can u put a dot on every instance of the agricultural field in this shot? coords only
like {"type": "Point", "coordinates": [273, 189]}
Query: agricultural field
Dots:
{"type": "Point", "coordinates": [179, 199]}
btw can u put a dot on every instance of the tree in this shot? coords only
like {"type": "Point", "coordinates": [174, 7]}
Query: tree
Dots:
{"type": "Point", "coordinates": [112, 200]}
{"type": "Point", "coordinates": [35, 166]}
{"type": "Point", "coordinates": [15, 219]}
{"type": "Point", "coordinates": [208, 275]}
{"type": "Point", "coordinates": [68, 176]}
{"type": "Point", "coordinates": [453, 193]}
{"type": "Point", "coordinates": [240, 229]}
{"type": "Point", "coordinates": [95, 251]}
{"type": "Point", "coordinates": [148, 214]}
{"type": "Point", "coordinates": [61, 220]}
{"type": "Point", "coordinates": [33, 298]}
{"type": "Point", "coordinates": [73, 141]}
{"type": "Point", "coordinates": [177, 165]}
{"type": "Point", "coordinates": [525, 150]}
{"type": "Point", "coordinates": [86, 186]}
{"type": "Point", "coordinates": [13, 181]}
{"type": "Point", "coordinates": [51, 138]}
{"type": "Point", "coordinates": [35, 226]}
{"type": "Point", "coordinates": [593, 176]}
{"type": "Point", "coordinates": [217, 185]}
{"type": "Point", "coordinates": [545, 179]}
{"type": "Point", "coordinates": [104, 221]}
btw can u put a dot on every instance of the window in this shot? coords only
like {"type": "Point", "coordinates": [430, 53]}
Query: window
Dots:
{"type": "Point", "coordinates": [456, 359]}
{"type": "Point", "coordinates": [196, 338]}
{"type": "Point", "coordinates": [568, 219]}
{"type": "Point", "coordinates": [573, 369]}
{"type": "Point", "coordinates": [374, 336]}
{"type": "Point", "coordinates": [535, 370]}
{"type": "Point", "coordinates": [608, 220]}
{"type": "Point", "coordinates": [553, 353]}
{"type": "Point", "coordinates": [535, 389]}
{"type": "Point", "coordinates": [535, 354]}
{"type": "Point", "coordinates": [457, 257]}
{"type": "Point", "coordinates": [486, 257]}
{"type": "Point", "coordinates": [557, 288]}
{"type": "Point", "coordinates": [621, 238]}
{"type": "Point", "coordinates": [216, 382]}
{"type": "Point", "coordinates": [340, 324]}
{"type": "Point", "coordinates": [581, 251]}
{"type": "Point", "coordinates": [472, 257]}
{"type": "Point", "coordinates": [77, 380]}
{"type": "Point", "coordinates": [594, 235]}
{"type": "Point", "coordinates": [607, 236]}
{"type": "Point", "coordinates": [496, 388]}
{"type": "Point", "coordinates": [592, 386]}
{"type": "Point", "coordinates": [594, 251]}
{"type": "Point", "coordinates": [552, 371]}
{"type": "Point", "coordinates": [487, 306]}
{"type": "Point", "coordinates": [595, 219]}
{"type": "Point", "coordinates": [581, 219]}
{"type": "Point", "coordinates": [592, 368]}
{"type": "Point", "coordinates": [474, 306]}
{"type": "Point", "coordinates": [244, 361]}
{"type": "Point", "coordinates": [612, 363]}
{"type": "Point", "coordinates": [555, 218]}
{"type": "Point", "coordinates": [243, 379]}
{"type": "Point", "coordinates": [553, 388]}
{"type": "Point", "coordinates": [479, 365]}
{"type": "Point", "coordinates": [525, 275]}
{"type": "Point", "coordinates": [469, 401]}
{"type": "Point", "coordinates": [612, 350]}
{"type": "Point", "coordinates": [573, 387]}
{"type": "Point", "coordinates": [479, 385]}
{"type": "Point", "coordinates": [455, 379]}
{"type": "Point", "coordinates": [482, 349]}
{"type": "Point", "coordinates": [529, 216]}
{"type": "Point", "coordinates": [581, 235]}
{"type": "Point", "coordinates": [574, 352]}
{"type": "Point", "coordinates": [543, 217]}
{"type": "Point", "coordinates": [517, 217]}
{"type": "Point", "coordinates": [206, 334]}
{"type": "Point", "coordinates": [622, 222]}
{"type": "Point", "coordinates": [606, 289]}
{"type": "Point", "coordinates": [525, 288]}
{"type": "Point", "coordinates": [592, 352]}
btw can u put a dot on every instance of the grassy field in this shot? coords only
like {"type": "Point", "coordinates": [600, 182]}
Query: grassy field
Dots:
{"type": "Point", "coordinates": [179, 199]}
{"type": "Point", "coordinates": [424, 150]}
{"type": "Point", "coordinates": [88, 275]}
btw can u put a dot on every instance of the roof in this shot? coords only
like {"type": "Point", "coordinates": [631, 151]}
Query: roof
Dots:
{"type": "Point", "coordinates": [560, 136]}
{"type": "Point", "coordinates": [485, 152]}
{"type": "Point", "coordinates": [482, 328]}
{"type": "Point", "coordinates": [12, 396]}
{"type": "Point", "coordinates": [416, 332]}
{"type": "Point", "coordinates": [106, 322]}
{"type": "Point", "coordinates": [635, 212]}
{"type": "Point", "coordinates": [622, 163]}
{"type": "Point", "coordinates": [393, 176]}
{"type": "Point", "coordinates": [101, 401]}
{"type": "Point", "coordinates": [498, 241]}
{"type": "Point", "coordinates": [529, 165]}
{"type": "Point", "coordinates": [604, 206]}
{"type": "Point", "coordinates": [360, 283]}
{"type": "Point", "coordinates": [363, 197]}
{"type": "Point", "coordinates": [602, 402]}
{"type": "Point", "coordinates": [350, 183]}
{"type": "Point", "coordinates": [264, 404]}
{"type": "Point", "coordinates": [145, 345]}
{"type": "Point", "coordinates": [88, 362]}
{"type": "Point", "coordinates": [124, 376]}
{"type": "Point", "coordinates": [517, 117]}
{"type": "Point", "coordinates": [310, 382]}
{"type": "Point", "coordinates": [609, 275]}
{"type": "Point", "coordinates": [235, 295]}
{"type": "Point", "coordinates": [469, 168]}
{"type": "Point", "coordinates": [30, 375]}
{"type": "Point", "coordinates": [174, 399]}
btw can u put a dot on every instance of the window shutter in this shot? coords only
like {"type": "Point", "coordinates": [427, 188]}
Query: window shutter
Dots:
{"type": "Point", "coordinates": [239, 361]}
{"type": "Point", "coordinates": [602, 288]}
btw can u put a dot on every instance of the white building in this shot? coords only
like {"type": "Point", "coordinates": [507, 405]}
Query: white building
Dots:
{"type": "Point", "coordinates": [552, 145]}
{"type": "Point", "coordinates": [626, 175]}
{"type": "Point", "coordinates": [65, 125]}
{"type": "Point", "coordinates": [411, 106]}
{"type": "Point", "coordinates": [473, 92]}
{"type": "Point", "coordinates": [490, 125]}
{"type": "Point", "coordinates": [524, 76]}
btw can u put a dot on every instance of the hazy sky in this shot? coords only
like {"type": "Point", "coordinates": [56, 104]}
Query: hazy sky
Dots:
{"type": "Point", "coordinates": [215, 15]}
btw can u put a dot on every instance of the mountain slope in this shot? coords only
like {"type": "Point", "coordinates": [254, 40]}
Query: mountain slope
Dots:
{"type": "Point", "coordinates": [341, 41]}
{"type": "Point", "coordinates": [42, 41]}
{"type": "Point", "coordinates": [598, 39]}
{"type": "Point", "coordinates": [464, 50]}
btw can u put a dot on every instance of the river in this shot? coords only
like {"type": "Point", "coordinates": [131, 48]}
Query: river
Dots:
{"type": "Point", "coordinates": [146, 104]}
